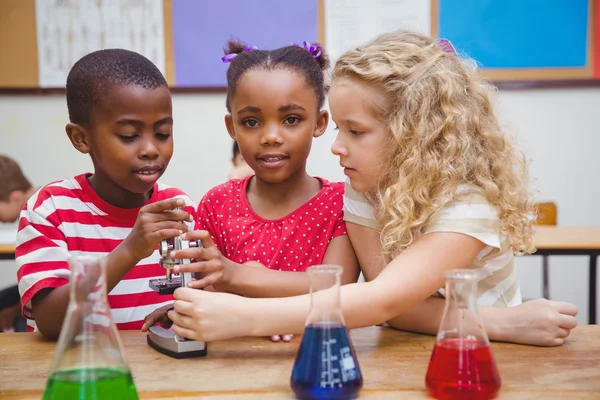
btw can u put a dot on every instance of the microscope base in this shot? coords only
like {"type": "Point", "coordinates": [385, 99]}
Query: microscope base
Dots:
{"type": "Point", "coordinates": [168, 343]}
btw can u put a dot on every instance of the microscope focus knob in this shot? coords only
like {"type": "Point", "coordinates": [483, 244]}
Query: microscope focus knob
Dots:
{"type": "Point", "coordinates": [163, 248]}
{"type": "Point", "coordinates": [195, 243]}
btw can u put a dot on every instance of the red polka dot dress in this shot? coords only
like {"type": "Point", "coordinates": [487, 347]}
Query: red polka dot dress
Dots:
{"type": "Point", "coordinates": [291, 243]}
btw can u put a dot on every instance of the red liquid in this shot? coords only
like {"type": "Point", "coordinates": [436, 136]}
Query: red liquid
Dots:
{"type": "Point", "coordinates": [462, 369]}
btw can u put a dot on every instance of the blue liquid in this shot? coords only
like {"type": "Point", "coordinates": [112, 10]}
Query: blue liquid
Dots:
{"type": "Point", "coordinates": [326, 366]}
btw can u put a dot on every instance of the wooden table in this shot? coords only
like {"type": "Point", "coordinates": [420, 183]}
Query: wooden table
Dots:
{"type": "Point", "coordinates": [572, 241]}
{"type": "Point", "coordinates": [7, 251]}
{"type": "Point", "coordinates": [393, 365]}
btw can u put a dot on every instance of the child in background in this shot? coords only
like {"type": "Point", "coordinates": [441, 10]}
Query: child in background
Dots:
{"type": "Point", "coordinates": [428, 162]}
{"type": "Point", "coordinates": [280, 218]}
{"type": "Point", "coordinates": [240, 167]}
{"type": "Point", "coordinates": [120, 111]}
{"type": "Point", "coordinates": [15, 189]}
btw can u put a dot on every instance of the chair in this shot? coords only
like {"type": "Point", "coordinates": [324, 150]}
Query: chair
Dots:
{"type": "Point", "coordinates": [546, 216]}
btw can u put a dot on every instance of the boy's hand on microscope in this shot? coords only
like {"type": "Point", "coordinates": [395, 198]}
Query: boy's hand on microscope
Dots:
{"type": "Point", "coordinates": [158, 316]}
{"type": "Point", "coordinates": [155, 222]}
{"type": "Point", "coordinates": [207, 261]}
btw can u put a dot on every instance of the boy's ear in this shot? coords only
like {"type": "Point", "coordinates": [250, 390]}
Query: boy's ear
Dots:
{"type": "Point", "coordinates": [79, 137]}
{"type": "Point", "coordinates": [322, 122]}
{"type": "Point", "coordinates": [229, 125]}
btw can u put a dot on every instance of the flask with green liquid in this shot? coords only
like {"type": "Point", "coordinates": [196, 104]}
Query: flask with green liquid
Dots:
{"type": "Point", "coordinates": [88, 362]}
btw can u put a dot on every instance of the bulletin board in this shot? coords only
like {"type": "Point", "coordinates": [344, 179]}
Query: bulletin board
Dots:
{"type": "Point", "coordinates": [516, 42]}
{"type": "Point", "coordinates": [194, 34]}
{"type": "Point", "coordinates": [199, 36]}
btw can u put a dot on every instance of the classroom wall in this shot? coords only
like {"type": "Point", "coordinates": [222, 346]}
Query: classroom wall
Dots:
{"type": "Point", "coordinates": [559, 130]}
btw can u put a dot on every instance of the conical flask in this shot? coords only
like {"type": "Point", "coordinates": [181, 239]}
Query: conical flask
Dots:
{"type": "Point", "coordinates": [88, 361]}
{"type": "Point", "coordinates": [326, 366]}
{"type": "Point", "coordinates": [462, 365]}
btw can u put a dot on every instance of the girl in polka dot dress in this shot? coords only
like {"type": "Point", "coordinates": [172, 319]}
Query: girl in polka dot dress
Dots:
{"type": "Point", "coordinates": [280, 218]}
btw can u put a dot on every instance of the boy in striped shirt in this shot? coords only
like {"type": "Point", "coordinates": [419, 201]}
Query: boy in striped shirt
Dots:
{"type": "Point", "coordinates": [120, 111]}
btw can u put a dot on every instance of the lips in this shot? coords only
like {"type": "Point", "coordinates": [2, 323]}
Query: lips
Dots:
{"type": "Point", "coordinates": [149, 170]}
{"type": "Point", "coordinates": [272, 160]}
{"type": "Point", "coordinates": [272, 157]}
{"type": "Point", "coordinates": [149, 174]}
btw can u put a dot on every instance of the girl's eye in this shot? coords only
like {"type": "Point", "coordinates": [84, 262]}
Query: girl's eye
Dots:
{"type": "Point", "coordinates": [355, 132]}
{"type": "Point", "coordinates": [250, 122]}
{"type": "Point", "coordinates": [291, 120]}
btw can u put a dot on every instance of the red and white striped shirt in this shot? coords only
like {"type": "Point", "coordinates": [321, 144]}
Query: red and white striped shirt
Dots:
{"type": "Point", "coordinates": [67, 218]}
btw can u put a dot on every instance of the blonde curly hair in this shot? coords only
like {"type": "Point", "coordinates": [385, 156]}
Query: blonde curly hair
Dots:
{"type": "Point", "coordinates": [444, 133]}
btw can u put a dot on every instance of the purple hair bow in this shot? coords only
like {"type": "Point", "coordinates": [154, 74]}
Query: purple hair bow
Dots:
{"type": "Point", "coordinates": [447, 47]}
{"type": "Point", "coordinates": [227, 58]}
{"type": "Point", "coordinates": [315, 50]}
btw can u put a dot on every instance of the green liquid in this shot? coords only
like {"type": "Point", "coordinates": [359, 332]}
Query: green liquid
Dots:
{"type": "Point", "coordinates": [90, 384]}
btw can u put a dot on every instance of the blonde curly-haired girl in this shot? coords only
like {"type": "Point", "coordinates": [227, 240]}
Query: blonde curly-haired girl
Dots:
{"type": "Point", "coordinates": [434, 185]}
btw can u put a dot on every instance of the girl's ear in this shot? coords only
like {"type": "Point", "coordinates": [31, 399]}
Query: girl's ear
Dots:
{"type": "Point", "coordinates": [321, 123]}
{"type": "Point", "coordinates": [229, 125]}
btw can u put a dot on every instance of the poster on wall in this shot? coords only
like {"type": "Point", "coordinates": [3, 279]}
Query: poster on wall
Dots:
{"type": "Point", "coordinates": [67, 30]}
{"type": "Point", "coordinates": [351, 23]}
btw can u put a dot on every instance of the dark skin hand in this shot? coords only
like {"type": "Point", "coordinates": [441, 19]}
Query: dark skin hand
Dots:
{"type": "Point", "coordinates": [155, 222]}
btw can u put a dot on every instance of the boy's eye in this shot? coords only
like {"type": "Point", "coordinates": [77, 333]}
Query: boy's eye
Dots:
{"type": "Point", "coordinates": [162, 136]}
{"type": "Point", "coordinates": [355, 132]}
{"type": "Point", "coordinates": [292, 119]}
{"type": "Point", "coordinates": [128, 138]}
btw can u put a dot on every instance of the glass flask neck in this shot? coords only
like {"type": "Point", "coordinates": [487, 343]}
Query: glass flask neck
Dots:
{"type": "Point", "coordinates": [461, 290]}
{"type": "Point", "coordinates": [88, 336]}
{"type": "Point", "coordinates": [461, 318]}
{"type": "Point", "coordinates": [325, 307]}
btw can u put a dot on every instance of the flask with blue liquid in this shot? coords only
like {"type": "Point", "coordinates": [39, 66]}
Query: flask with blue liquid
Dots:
{"type": "Point", "coordinates": [326, 366]}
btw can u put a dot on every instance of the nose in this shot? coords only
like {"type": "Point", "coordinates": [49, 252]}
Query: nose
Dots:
{"type": "Point", "coordinates": [338, 147]}
{"type": "Point", "coordinates": [148, 148]}
{"type": "Point", "coordinates": [271, 135]}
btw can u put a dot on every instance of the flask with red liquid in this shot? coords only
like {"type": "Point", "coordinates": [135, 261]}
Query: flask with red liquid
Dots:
{"type": "Point", "coordinates": [462, 365]}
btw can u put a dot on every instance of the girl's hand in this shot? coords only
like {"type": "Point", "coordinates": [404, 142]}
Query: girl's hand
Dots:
{"type": "Point", "coordinates": [208, 316]}
{"type": "Point", "coordinates": [208, 263]}
{"type": "Point", "coordinates": [282, 338]}
{"type": "Point", "coordinates": [539, 322]}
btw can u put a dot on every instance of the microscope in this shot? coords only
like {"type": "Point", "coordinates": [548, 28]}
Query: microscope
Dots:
{"type": "Point", "coordinates": [162, 339]}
